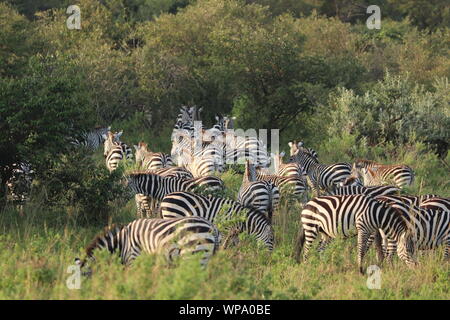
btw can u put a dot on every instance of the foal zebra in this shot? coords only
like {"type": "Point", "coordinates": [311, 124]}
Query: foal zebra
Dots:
{"type": "Point", "coordinates": [333, 215]}
{"type": "Point", "coordinates": [150, 188]}
{"type": "Point", "coordinates": [321, 176]}
{"type": "Point", "coordinates": [171, 237]}
{"type": "Point", "coordinates": [183, 204]}
{"type": "Point", "coordinates": [261, 195]}
{"type": "Point", "coordinates": [431, 228]}
{"type": "Point", "coordinates": [151, 160]}
{"type": "Point", "coordinates": [373, 173]}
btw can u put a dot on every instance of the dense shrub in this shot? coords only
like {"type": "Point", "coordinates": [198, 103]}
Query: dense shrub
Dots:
{"type": "Point", "coordinates": [83, 187]}
{"type": "Point", "coordinates": [395, 110]}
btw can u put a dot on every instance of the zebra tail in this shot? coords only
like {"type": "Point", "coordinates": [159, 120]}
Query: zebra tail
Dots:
{"type": "Point", "coordinates": [298, 247]}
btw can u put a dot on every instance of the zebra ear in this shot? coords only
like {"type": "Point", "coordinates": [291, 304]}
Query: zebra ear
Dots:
{"type": "Point", "coordinates": [282, 154]}
{"type": "Point", "coordinates": [105, 137]}
{"type": "Point", "coordinates": [290, 143]}
{"type": "Point", "coordinates": [136, 147]}
{"type": "Point", "coordinates": [118, 134]}
{"type": "Point", "coordinates": [300, 144]}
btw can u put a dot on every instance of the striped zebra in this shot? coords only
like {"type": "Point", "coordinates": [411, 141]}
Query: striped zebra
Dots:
{"type": "Point", "coordinates": [436, 203]}
{"type": "Point", "coordinates": [169, 237]}
{"type": "Point", "coordinates": [185, 119]}
{"type": "Point", "coordinates": [431, 228]}
{"type": "Point", "coordinates": [200, 159]}
{"type": "Point", "coordinates": [290, 185]}
{"type": "Point", "coordinates": [183, 204]}
{"type": "Point", "coordinates": [287, 169]}
{"type": "Point", "coordinates": [149, 186]}
{"type": "Point", "coordinates": [373, 173]}
{"type": "Point", "coordinates": [113, 152]}
{"type": "Point", "coordinates": [321, 176]}
{"type": "Point", "coordinates": [330, 216]}
{"type": "Point", "coordinates": [351, 181]}
{"type": "Point", "coordinates": [295, 145]}
{"type": "Point", "coordinates": [92, 139]}
{"type": "Point", "coordinates": [367, 191]}
{"type": "Point", "coordinates": [261, 195]}
{"type": "Point", "coordinates": [408, 200]}
{"type": "Point", "coordinates": [146, 204]}
{"type": "Point", "coordinates": [127, 151]}
{"type": "Point", "coordinates": [151, 160]}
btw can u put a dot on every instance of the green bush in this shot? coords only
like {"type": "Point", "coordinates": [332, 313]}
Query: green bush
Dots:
{"type": "Point", "coordinates": [394, 110]}
{"type": "Point", "coordinates": [84, 188]}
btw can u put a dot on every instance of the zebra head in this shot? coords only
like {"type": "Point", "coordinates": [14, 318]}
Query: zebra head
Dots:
{"type": "Point", "coordinates": [109, 142]}
{"type": "Point", "coordinates": [293, 147]}
{"type": "Point", "coordinates": [112, 239]}
{"type": "Point", "coordinates": [228, 122]}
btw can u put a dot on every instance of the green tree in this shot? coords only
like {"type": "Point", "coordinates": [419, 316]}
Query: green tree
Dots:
{"type": "Point", "coordinates": [39, 111]}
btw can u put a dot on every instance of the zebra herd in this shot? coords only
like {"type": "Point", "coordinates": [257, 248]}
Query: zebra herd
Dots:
{"type": "Point", "coordinates": [361, 198]}
{"type": "Point", "coordinates": [179, 203]}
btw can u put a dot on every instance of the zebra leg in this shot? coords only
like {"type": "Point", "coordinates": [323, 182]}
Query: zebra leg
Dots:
{"type": "Point", "coordinates": [378, 245]}
{"type": "Point", "coordinates": [447, 249]}
{"type": "Point", "coordinates": [391, 249]}
{"type": "Point", "coordinates": [305, 240]}
{"type": "Point", "coordinates": [363, 238]}
{"type": "Point", "coordinates": [324, 242]}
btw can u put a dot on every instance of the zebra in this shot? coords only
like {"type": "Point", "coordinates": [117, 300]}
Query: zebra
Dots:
{"type": "Point", "coordinates": [170, 237]}
{"type": "Point", "coordinates": [173, 172]}
{"type": "Point", "coordinates": [179, 204]}
{"type": "Point", "coordinates": [146, 204]}
{"type": "Point", "coordinates": [330, 216]}
{"type": "Point", "coordinates": [408, 200]}
{"type": "Point", "coordinates": [373, 173]}
{"type": "Point", "coordinates": [321, 176]}
{"type": "Point", "coordinates": [92, 139]}
{"type": "Point", "coordinates": [113, 152]}
{"type": "Point", "coordinates": [287, 169]}
{"type": "Point", "coordinates": [436, 203]}
{"type": "Point", "coordinates": [125, 148]}
{"type": "Point", "coordinates": [149, 186]}
{"type": "Point", "coordinates": [261, 195]}
{"type": "Point", "coordinates": [368, 191]}
{"type": "Point", "coordinates": [431, 227]}
{"type": "Point", "coordinates": [294, 146]}
{"type": "Point", "coordinates": [200, 159]}
{"type": "Point", "coordinates": [151, 160]}
{"type": "Point", "coordinates": [287, 185]}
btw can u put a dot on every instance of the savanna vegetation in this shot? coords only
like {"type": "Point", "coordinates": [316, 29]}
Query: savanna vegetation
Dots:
{"type": "Point", "coordinates": [310, 68]}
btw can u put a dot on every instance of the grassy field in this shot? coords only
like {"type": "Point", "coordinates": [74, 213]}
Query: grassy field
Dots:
{"type": "Point", "coordinates": [36, 250]}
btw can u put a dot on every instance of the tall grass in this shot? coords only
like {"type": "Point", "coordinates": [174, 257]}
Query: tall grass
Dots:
{"type": "Point", "coordinates": [36, 249]}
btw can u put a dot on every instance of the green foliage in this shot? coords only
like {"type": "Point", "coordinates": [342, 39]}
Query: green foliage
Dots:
{"type": "Point", "coordinates": [85, 188]}
{"type": "Point", "coordinates": [39, 111]}
{"type": "Point", "coordinates": [396, 110]}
